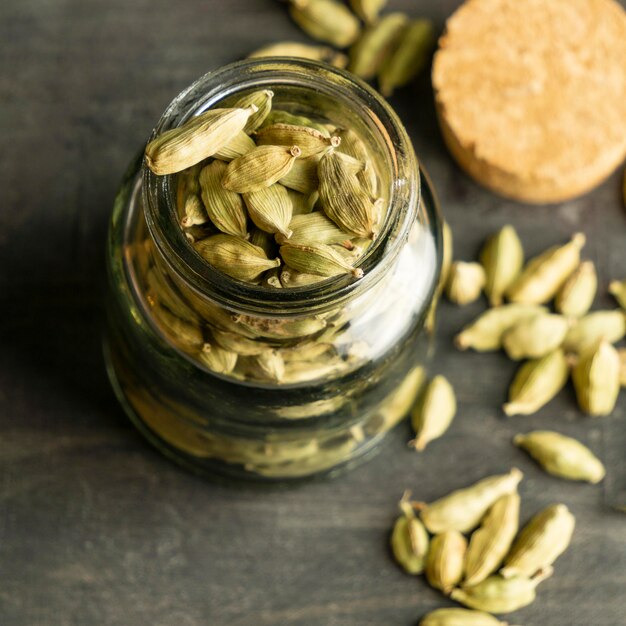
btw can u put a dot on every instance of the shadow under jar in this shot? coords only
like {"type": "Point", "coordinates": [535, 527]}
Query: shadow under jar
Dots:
{"type": "Point", "coordinates": [350, 352]}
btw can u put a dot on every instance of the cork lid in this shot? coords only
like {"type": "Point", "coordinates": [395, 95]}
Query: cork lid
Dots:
{"type": "Point", "coordinates": [531, 94]}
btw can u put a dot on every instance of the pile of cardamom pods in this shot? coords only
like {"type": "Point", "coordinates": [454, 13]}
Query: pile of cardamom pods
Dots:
{"type": "Point", "coordinates": [495, 570]}
{"type": "Point", "coordinates": [392, 48]}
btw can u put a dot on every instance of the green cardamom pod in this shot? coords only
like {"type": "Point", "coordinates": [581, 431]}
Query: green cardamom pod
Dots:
{"type": "Point", "coordinates": [490, 543]}
{"type": "Point", "coordinates": [279, 116]}
{"type": "Point", "coordinates": [409, 540]}
{"type": "Point", "coordinates": [224, 208]}
{"type": "Point", "coordinates": [535, 337]}
{"type": "Point", "coordinates": [292, 278]}
{"type": "Point", "coordinates": [459, 617]}
{"type": "Point", "coordinates": [596, 378]}
{"type": "Point", "coordinates": [445, 560]}
{"type": "Point", "coordinates": [329, 21]}
{"type": "Point", "coordinates": [409, 58]}
{"type": "Point", "coordinates": [217, 359]}
{"type": "Point", "coordinates": [622, 371]}
{"type": "Point", "coordinates": [317, 259]}
{"type": "Point", "coordinates": [343, 198]}
{"type": "Point", "coordinates": [544, 275]}
{"type": "Point", "coordinates": [270, 209]}
{"type": "Point", "coordinates": [546, 536]}
{"type": "Point", "coordinates": [234, 342]}
{"type": "Point", "coordinates": [162, 291]}
{"type": "Point", "coordinates": [561, 456]}
{"type": "Point", "coordinates": [303, 51]}
{"type": "Point", "coordinates": [368, 10]}
{"type": "Point", "coordinates": [309, 140]}
{"type": "Point", "coordinates": [463, 509]}
{"type": "Point", "coordinates": [302, 176]}
{"type": "Point", "coordinates": [302, 204]}
{"type": "Point", "coordinates": [314, 228]}
{"type": "Point", "coordinates": [262, 100]}
{"type": "Point", "coordinates": [502, 257]}
{"type": "Point", "coordinates": [399, 402]}
{"type": "Point", "coordinates": [239, 145]}
{"type": "Point", "coordinates": [447, 254]}
{"type": "Point", "coordinates": [278, 328]}
{"type": "Point", "coordinates": [353, 146]}
{"type": "Point", "coordinates": [465, 282]}
{"type": "Point", "coordinates": [433, 413]}
{"type": "Point", "coordinates": [181, 332]}
{"type": "Point", "coordinates": [258, 169]}
{"type": "Point", "coordinates": [194, 212]}
{"type": "Point", "coordinates": [617, 289]}
{"type": "Point", "coordinates": [268, 365]}
{"type": "Point", "coordinates": [536, 383]}
{"type": "Point", "coordinates": [486, 332]}
{"type": "Point", "coordinates": [264, 240]}
{"type": "Point", "coordinates": [594, 327]}
{"type": "Point", "coordinates": [500, 595]}
{"type": "Point", "coordinates": [201, 137]}
{"type": "Point", "coordinates": [375, 44]}
{"type": "Point", "coordinates": [187, 184]}
{"type": "Point", "coordinates": [235, 257]}
{"type": "Point", "coordinates": [575, 297]}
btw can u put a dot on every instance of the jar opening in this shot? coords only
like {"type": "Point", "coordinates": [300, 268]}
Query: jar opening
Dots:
{"type": "Point", "coordinates": [301, 83]}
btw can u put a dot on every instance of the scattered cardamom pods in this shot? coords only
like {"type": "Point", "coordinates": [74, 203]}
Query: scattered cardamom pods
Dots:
{"type": "Point", "coordinates": [459, 617]}
{"type": "Point", "coordinates": [270, 209]}
{"type": "Point", "coordinates": [409, 540]}
{"type": "Point", "coordinates": [235, 256]}
{"type": "Point", "coordinates": [536, 383]}
{"type": "Point", "coordinates": [596, 378]}
{"type": "Point", "coordinates": [617, 289]}
{"type": "Point", "coordinates": [303, 51]}
{"type": "Point", "coordinates": [258, 169]}
{"type": "Point", "coordinates": [368, 10]}
{"type": "Point", "coordinates": [594, 327]}
{"type": "Point", "coordinates": [465, 282]}
{"type": "Point", "coordinates": [201, 137]}
{"type": "Point", "coordinates": [575, 297]}
{"type": "Point", "coordinates": [540, 543]}
{"type": "Point", "coordinates": [535, 337]}
{"type": "Point", "coordinates": [486, 332]}
{"type": "Point", "coordinates": [544, 275]}
{"type": "Point", "coordinates": [463, 509]}
{"type": "Point", "coordinates": [502, 257]}
{"type": "Point", "coordinates": [433, 413]}
{"type": "Point", "coordinates": [329, 21]}
{"type": "Point", "coordinates": [490, 543]}
{"type": "Point", "coordinates": [561, 456]}
{"type": "Point", "coordinates": [445, 560]}
{"type": "Point", "coordinates": [317, 259]}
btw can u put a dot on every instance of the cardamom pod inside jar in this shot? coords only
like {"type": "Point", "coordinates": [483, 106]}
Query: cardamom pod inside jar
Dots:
{"type": "Point", "coordinates": [261, 322]}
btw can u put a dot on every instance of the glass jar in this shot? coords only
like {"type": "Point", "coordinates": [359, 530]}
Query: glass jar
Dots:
{"type": "Point", "coordinates": [350, 352]}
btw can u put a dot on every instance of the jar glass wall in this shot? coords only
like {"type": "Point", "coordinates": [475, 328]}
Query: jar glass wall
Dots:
{"type": "Point", "coordinates": [241, 380]}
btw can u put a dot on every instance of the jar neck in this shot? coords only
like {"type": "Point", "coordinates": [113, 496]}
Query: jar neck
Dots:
{"type": "Point", "coordinates": [348, 94]}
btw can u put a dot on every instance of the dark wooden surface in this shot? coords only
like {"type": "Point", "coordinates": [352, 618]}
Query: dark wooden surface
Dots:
{"type": "Point", "coordinates": [95, 526]}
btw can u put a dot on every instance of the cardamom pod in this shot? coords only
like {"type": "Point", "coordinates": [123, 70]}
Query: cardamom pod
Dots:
{"type": "Point", "coordinates": [561, 456]}
{"type": "Point", "coordinates": [162, 291]}
{"type": "Point", "coordinates": [536, 383]}
{"type": "Point", "coordinates": [463, 509]}
{"type": "Point", "coordinates": [465, 282]}
{"type": "Point", "coordinates": [544, 275]}
{"type": "Point", "coordinates": [302, 372]}
{"type": "Point", "coordinates": [264, 240]}
{"type": "Point", "coordinates": [270, 209]}
{"type": "Point", "coordinates": [617, 289]}
{"type": "Point", "coordinates": [594, 327]}
{"type": "Point", "coordinates": [502, 257]}
{"type": "Point", "coordinates": [201, 137]}
{"type": "Point", "coordinates": [596, 378]}
{"type": "Point", "coordinates": [237, 343]}
{"type": "Point", "coordinates": [262, 100]}
{"type": "Point", "coordinates": [343, 198]}
{"type": "Point", "coordinates": [235, 257]}
{"type": "Point", "coordinates": [433, 413]}
{"type": "Point", "coordinates": [540, 543]}
{"type": "Point", "coordinates": [303, 51]}
{"type": "Point", "coordinates": [409, 58]}
{"type": "Point", "coordinates": [575, 297]}
{"type": "Point", "coordinates": [317, 259]}
{"type": "Point", "coordinates": [500, 595]}
{"type": "Point", "coordinates": [302, 176]}
{"type": "Point", "coordinates": [217, 359]}
{"type": "Point", "coordinates": [279, 116]}
{"type": "Point", "coordinates": [486, 332]}
{"type": "Point", "coordinates": [314, 228]}
{"type": "Point", "coordinates": [272, 279]}
{"type": "Point", "coordinates": [368, 10]}
{"type": "Point", "coordinates": [326, 20]}
{"type": "Point", "coordinates": [301, 203]}
{"type": "Point", "coordinates": [447, 253]}
{"type": "Point", "coordinates": [239, 145]}
{"type": "Point", "coordinates": [309, 140]}
{"type": "Point", "coordinates": [491, 542]}
{"type": "Point", "coordinates": [194, 212]}
{"type": "Point", "coordinates": [444, 563]}
{"type": "Point", "coordinates": [269, 365]}
{"type": "Point", "coordinates": [409, 540]}
{"type": "Point", "coordinates": [292, 278]}
{"type": "Point", "coordinates": [182, 332]}
{"type": "Point", "coordinates": [535, 337]}
{"type": "Point", "coordinates": [353, 146]}
{"type": "Point", "coordinates": [399, 402]}
{"type": "Point", "coordinates": [187, 184]}
{"type": "Point", "coordinates": [375, 44]}
{"type": "Point", "coordinates": [459, 617]}
{"type": "Point", "coordinates": [258, 169]}
{"type": "Point", "coordinates": [307, 351]}
{"type": "Point", "coordinates": [622, 370]}
{"type": "Point", "coordinates": [224, 208]}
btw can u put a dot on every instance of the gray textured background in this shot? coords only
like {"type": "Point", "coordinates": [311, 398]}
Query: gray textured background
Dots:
{"type": "Point", "coordinates": [96, 527]}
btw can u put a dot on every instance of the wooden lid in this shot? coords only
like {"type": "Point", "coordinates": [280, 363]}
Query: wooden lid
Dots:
{"type": "Point", "coordinates": [531, 94]}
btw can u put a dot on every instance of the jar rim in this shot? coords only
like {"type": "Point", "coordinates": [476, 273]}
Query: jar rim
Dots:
{"type": "Point", "coordinates": [403, 202]}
